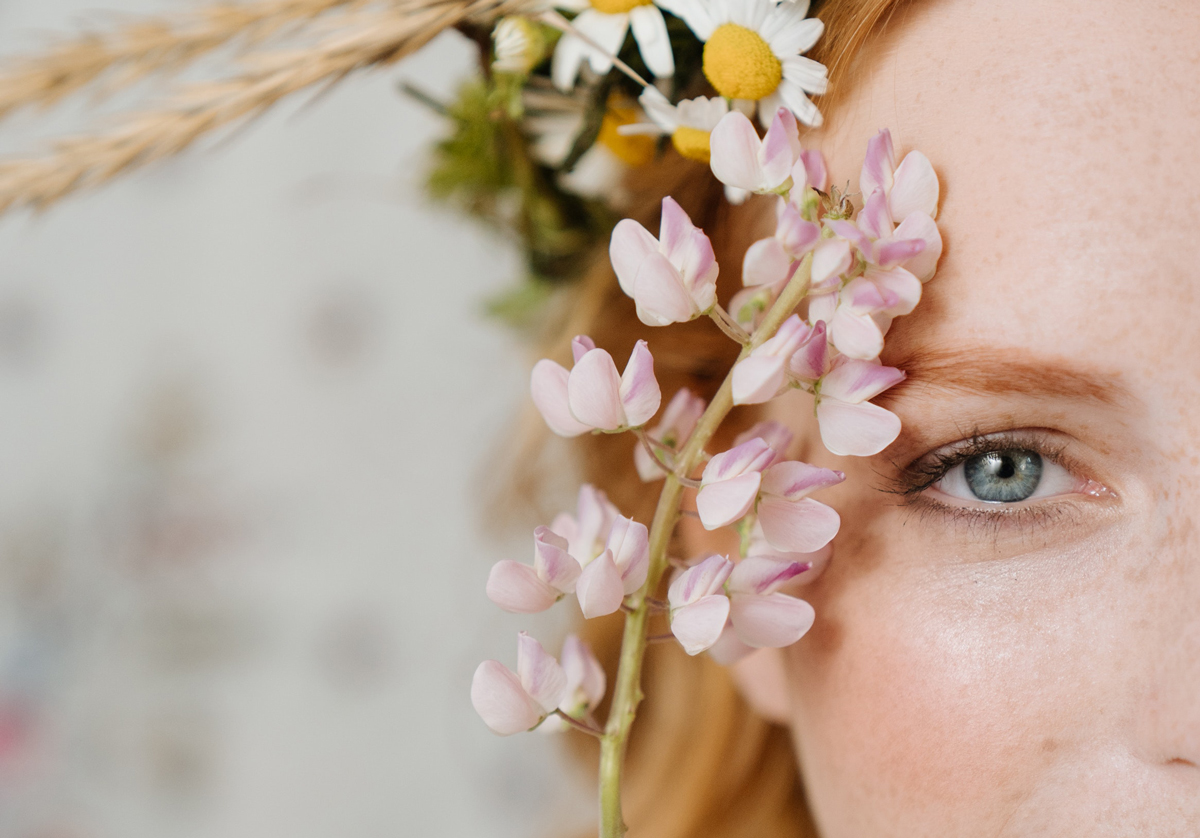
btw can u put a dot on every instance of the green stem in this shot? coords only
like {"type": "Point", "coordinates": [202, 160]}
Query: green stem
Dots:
{"type": "Point", "coordinates": [627, 692]}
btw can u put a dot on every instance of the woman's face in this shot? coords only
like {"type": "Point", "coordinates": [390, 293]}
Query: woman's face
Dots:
{"type": "Point", "coordinates": [1025, 666]}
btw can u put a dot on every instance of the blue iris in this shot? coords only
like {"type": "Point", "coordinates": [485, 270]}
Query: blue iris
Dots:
{"type": "Point", "coordinates": [1003, 476]}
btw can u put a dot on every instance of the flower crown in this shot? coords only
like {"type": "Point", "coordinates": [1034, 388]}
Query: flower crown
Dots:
{"type": "Point", "coordinates": [566, 107]}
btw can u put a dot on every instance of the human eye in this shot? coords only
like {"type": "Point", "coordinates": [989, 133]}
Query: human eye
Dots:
{"type": "Point", "coordinates": [996, 473]}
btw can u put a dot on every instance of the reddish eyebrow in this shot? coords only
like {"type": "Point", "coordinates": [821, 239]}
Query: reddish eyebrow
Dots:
{"type": "Point", "coordinates": [1001, 372]}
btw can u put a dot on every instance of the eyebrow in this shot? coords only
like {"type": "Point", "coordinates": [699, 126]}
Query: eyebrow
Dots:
{"type": "Point", "coordinates": [1001, 372]}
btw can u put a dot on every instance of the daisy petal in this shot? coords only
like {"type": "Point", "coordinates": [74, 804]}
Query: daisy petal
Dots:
{"type": "Point", "coordinates": [650, 32]}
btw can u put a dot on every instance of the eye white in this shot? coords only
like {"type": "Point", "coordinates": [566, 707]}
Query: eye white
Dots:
{"type": "Point", "coordinates": [1053, 480]}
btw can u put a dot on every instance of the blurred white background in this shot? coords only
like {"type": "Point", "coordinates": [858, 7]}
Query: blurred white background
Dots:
{"type": "Point", "coordinates": [245, 397]}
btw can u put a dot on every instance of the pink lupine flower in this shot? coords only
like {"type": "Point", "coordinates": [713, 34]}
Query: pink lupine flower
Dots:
{"type": "Point", "coordinates": [759, 614]}
{"type": "Point", "coordinates": [771, 261]}
{"type": "Point", "coordinates": [588, 530]}
{"type": "Point", "coordinates": [585, 683]}
{"type": "Point", "coordinates": [673, 430]}
{"type": "Point", "coordinates": [698, 605]}
{"type": "Point", "coordinates": [511, 702]}
{"type": "Point", "coordinates": [592, 395]}
{"type": "Point", "coordinates": [850, 425]}
{"type": "Point", "coordinates": [815, 171]}
{"type": "Point", "coordinates": [789, 518]}
{"type": "Point", "coordinates": [831, 259]}
{"type": "Point", "coordinates": [815, 561]}
{"type": "Point", "coordinates": [673, 278]}
{"type": "Point", "coordinates": [777, 437]}
{"type": "Point", "coordinates": [763, 374]}
{"type": "Point", "coordinates": [730, 483]}
{"type": "Point", "coordinates": [522, 589]}
{"type": "Point", "coordinates": [741, 160]}
{"type": "Point", "coordinates": [617, 572]}
{"type": "Point", "coordinates": [913, 187]}
{"type": "Point", "coordinates": [861, 312]}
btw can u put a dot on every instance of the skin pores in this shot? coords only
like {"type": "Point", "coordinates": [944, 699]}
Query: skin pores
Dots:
{"type": "Point", "coordinates": [1029, 668]}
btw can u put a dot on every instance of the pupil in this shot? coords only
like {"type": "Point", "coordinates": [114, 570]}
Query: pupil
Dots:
{"type": "Point", "coordinates": [1003, 476]}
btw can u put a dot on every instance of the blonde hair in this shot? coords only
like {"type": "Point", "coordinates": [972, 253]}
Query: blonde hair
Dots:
{"type": "Point", "coordinates": [700, 764]}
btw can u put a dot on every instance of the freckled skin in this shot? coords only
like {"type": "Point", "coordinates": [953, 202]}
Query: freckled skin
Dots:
{"type": "Point", "coordinates": [1040, 677]}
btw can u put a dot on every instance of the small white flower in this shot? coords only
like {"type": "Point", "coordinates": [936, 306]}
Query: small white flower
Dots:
{"type": "Point", "coordinates": [606, 22]}
{"type": "Point", "coordinates": [520, 45]}
{"type": "Point", "coordinates": [752, 50]}
{"type": "Point", "coordinates": [688, 124]}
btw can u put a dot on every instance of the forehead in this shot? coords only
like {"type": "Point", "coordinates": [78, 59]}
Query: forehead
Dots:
{"type": "Point", "coordinates": [1065, 136]}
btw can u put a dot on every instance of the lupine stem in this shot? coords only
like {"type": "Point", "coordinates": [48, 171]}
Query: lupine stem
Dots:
{"type": "Point", "coordinates": [628, 690]}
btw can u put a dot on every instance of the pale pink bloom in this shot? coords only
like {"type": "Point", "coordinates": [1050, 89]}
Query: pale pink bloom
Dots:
{"type": "Point", "coordinates": [617, 572]}
{"type": "Point", "coordinates": [592, 395]}
{"type": "Point", "coordinates": [585, 684]}
{"type": "Point", "coordinates": [763, 374]}
{"type": "Point", "coordinates": [850, 425]}
{"type": "Point", "coordinates": [730, 483]}
{"type": "Point", "coordinates": [673, 430]}
{"type": "Point", "coordinates": [741, 160]}
{"type": "Point", "coordinates": [815, 171]}
{"type": "Point", "coordinates": [771, 261]}
{"type": "Point", "coordinates": [588, 530]}
{"type": "Point", "coordinates": [673, 278]}
{"type": "Point", "coordinates": [861, 312]}
{"type": "Point", "coordinates": [789, 518]}
{"type": "Point", "coordinates": [698, 605]}
{"type": "Point", "coordinates": [511, 702]}
{"type": "Point", "coordinates": [912, 187]}
{"type": "Point", "coordinates": [831, 259]}
{"type": "Point", "coordinates": [759, 614]}
{"type": "Point", "coordinates": [522, 589]}
{"type": "Point", "coordinates": [815, 561]}
{"type": "Point", "coordinates": [774, 434]}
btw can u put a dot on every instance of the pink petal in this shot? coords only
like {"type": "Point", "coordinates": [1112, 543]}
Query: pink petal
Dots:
{"type": "Point", "coordinates": [580, 346]}
{"type": "Point", "coordinates": [720, 504]}
{"type": "Point", "coordinates": [639, 391]}
{"type": "Point", "coordinates": [595, 518]}
{"type": "Point", "coordinates": [814, 166]}
{"type": "Point", "coordinates": [777, 437]}
{"type": "Point", "coordinates": [675, 231]}
{"type": "Point", "coordinates": [850, 232]}
{"type": "Point", "coordinates": [888, 254]}
{"type": "Point", "coordinates": [553, 561]}
{"type": "Point", "coordinates": [778, 149]}
{"type": "Point", "coordinates": [659, 293]}
{"type": "Point", "coordinates": [501, 702]}
{"type": "Point", "coordinates": [584, 672]}
{"type": "Point", "coordinates": [540, 674]}
{"type": "Point", "coordinates": [734, 148]}
{"type": "Point", "coordinates": [629, 246]}
{"type": "Point", "coordinates": [856, 430]}
{"type": "Point", "coordinates": [920, 226]}
{"type": "Point", "coordinates": [680, 417]}
{"type": "Point", "coordinates": [757, 380]}
{"type": "Point", "coordinates": [796, 235]}
{"type": "Point", "coordinates": [802, 526]}
{"type": "Point", "coordinates": [830, 260]}
{"type": "Point", "coordinates": [808, 364]}
{"type": "Point", "coordinates": [752, 455]}
{"type": "Point", "coordinates": [698, 266]}
{"type": "Point", "coordinates": [629, 544]}
{"type": "Point", "coordinates": [793, 480]}
{"type": "Point", "coordinates": [875, 220]}
{"type": "Point", "coordinates": [729, 649]}
{"type": "Point", "coordinates": [878, 165]}
{"type": "Point", "coordinates": [517, 589]}
{"type": "Point", "coordinates": [855, 335]}
{"type": "Point", "coordinates": [697, 626]}
{"type": "Point", "coordinates": [915, 188]}
{"type": "Point", "coordinates": [701, 580]}
{"type": "Point", "coordinates": [600, 589]}
{"type": "Point", "coordinates": [771, 621]}
{"type": "Point", "coordinates": [760, 575]}
{"type": "Point", "coordinates": [900, 285]}
{"type": "Point", "coordinates": [856, 381]}
{"type": "Point", "coordinates": [765, 263]}
{"type": "Point", "coordinates": [548, 385]}
{"type": "Point", "coordinates": [593, 391]}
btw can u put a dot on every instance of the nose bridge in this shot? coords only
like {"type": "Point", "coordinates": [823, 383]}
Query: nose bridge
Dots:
{"type": "Point", "coordinates": [1171, 715]}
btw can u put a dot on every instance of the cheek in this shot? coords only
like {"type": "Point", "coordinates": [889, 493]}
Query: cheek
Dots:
{"type": "Point", "coordinates": [931, 696]}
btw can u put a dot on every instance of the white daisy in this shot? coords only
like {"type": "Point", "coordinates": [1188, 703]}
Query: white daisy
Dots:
{"type": "Point", "coordinates": [688, 124]}
{"type": "Point", "coordinates": [606, 23]}
{"type": "Point", "coordinates": [752, 50]}
{"type": "Point", "coordinates": [519, 43]}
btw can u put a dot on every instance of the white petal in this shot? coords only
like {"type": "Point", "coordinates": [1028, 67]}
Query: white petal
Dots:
{"type": "Point", "coordinates": [720, 504]}
{"type": "Point", "coordinates": [735, 146]}
{"type": "Point", "coordinates": [920, 226]}
{"type": "Point", "coordinates": [650, 32]}
{"type": "Point", "coordinates": [639, 390]}
{"type": "Point", "coordinates": [855, 335]}
{"type": "Point", "coordinates": [770, 620]}
{"type": "Point", "coordinates": [568, 57]}
{"type": "Point", "coordinates": [810, 76]}
{"type": "Point", "coordinates": [630, 245]}
{"type": "Point", "coordinates": [914, 187]}
{"type": "Point", "coordinates": [599, 588]}
{"type": "Point", "coordinates": [802, 526]}
{"type": "Point", "coordinates": [798, 36]}
{"type": "Point", "coordinates": [548, 385]}
{"type": "Point", "coordinates": [699, 625]}
{"type": "Point", "coordinates": [856, 430]}
{"type": "Point", "coordinates": [758, 379]}
{"type": "Point", "coordinates": [659, 293]}
{"type": "Point", "coordinates": [593, 391]}
{"type": "Point", "coordinates": [801, 105]}
{"type": "Point", "coordinates": [607, 31]}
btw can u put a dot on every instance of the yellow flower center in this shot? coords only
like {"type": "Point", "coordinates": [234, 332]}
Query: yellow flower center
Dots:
{"type": "Point", "coordinates": [633, 150]}
{"type": "Point", "coordinates": [692, 143]}
{"type": "Point", "coordinates": [618, 7]}
{"type": "Point", "coordinates": [740, 64]}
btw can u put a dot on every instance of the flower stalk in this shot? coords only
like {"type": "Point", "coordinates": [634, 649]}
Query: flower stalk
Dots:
{"type": "Point", "coordinates": [627, 693]}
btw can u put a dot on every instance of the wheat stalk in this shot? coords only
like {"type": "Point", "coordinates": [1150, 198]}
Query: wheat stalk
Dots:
{"type": "Point", "coordinates": [365, 38]}
{"type": "Point", "coordinates": [145, 47]}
